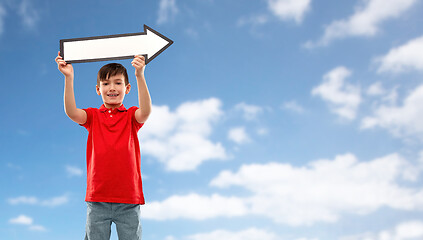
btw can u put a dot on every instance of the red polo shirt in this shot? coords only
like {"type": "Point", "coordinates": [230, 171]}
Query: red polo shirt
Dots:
{"type": "Point", "coordinates": [113, 156]}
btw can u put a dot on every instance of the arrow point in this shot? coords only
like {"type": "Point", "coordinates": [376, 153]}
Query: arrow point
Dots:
{"type": "Point", "coordinates": [157, 42]}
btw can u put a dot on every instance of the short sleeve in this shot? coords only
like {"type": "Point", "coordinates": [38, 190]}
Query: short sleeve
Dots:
{"type": "Point", "coordinates": [89, 112]}
{"type": "Point", "coordinates": [135, 123]}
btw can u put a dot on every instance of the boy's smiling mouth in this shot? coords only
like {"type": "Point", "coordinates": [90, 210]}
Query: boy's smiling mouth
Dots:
{"type": "Point", "coordinates": [112, 95]}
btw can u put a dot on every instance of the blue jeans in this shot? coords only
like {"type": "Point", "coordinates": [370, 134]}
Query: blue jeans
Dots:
{"type": "Point", "coordinates": [100, 216]}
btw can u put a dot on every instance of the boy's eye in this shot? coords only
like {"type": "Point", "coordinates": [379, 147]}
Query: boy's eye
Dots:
{"type": "Point", "coordinates": [105, 84]}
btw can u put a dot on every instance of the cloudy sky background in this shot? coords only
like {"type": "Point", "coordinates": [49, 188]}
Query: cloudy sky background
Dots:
{"type": "Point", "coordinates": [272, 119]}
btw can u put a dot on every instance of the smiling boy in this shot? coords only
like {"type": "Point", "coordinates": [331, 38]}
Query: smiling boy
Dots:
{"type": "Point", "coordinates": [114, 186]}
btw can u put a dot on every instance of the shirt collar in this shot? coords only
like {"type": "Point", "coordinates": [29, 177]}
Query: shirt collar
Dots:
{"type": "Point", "coordinates": [120, 109]}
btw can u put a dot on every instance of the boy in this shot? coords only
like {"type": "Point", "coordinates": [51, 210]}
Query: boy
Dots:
{"type": "Point", "coordinates": [114, 185]}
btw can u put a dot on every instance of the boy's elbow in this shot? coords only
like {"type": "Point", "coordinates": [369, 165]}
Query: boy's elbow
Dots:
{"type": "Point", "coordinates": [142, 115]}
{"type": "Point", "coordinates": [146, 110]}
{"type": "Point", "coordinates": [77, 116]}
{"type": "Point", "coordinates": [145, 115]}
{"type": "Point", "coordinates": [70, 113]}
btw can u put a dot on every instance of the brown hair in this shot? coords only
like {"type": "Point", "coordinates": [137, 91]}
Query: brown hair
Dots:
{"type": "Point", "coordinates": [110, 70]}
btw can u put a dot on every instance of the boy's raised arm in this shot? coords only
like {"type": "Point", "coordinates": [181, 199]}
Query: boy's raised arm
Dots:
{"type": "Point", "coordinates": [77, 115]}
{"type": "Point", "coordinates": [144, 99]}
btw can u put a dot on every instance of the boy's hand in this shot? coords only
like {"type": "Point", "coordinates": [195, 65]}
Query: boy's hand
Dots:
{"type": "Point", "coordinates": [139, 65]}
{"type": "Point", "coordinates": [64, 68]}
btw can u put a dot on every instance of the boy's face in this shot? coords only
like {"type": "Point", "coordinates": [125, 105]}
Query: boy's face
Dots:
{"type": "Point", "coordinates": [113, 90]}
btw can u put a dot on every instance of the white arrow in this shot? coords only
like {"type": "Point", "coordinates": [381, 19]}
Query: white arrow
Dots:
{"type": "Point", "coordinates": [149, 43]}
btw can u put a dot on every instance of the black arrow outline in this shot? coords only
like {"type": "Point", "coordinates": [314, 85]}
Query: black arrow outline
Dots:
{"type": "Point", "coordinates": [147, 60]}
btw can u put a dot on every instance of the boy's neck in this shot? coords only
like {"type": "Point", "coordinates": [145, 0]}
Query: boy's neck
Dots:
{"type": "Point", "coordinates": [112, 106]}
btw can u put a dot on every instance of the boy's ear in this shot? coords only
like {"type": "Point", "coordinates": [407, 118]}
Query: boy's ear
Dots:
{"type": "Point", "coordinates": [128, 88]}
{"type": "Point", "coordinates": [97, 89]}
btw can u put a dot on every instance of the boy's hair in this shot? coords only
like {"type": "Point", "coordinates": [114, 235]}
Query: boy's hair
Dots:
{"type": "Point", "coordinates": [110, 70]}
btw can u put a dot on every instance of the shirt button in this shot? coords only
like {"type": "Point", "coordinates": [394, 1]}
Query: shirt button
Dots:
{"type": "Point", "coordinates": [111, 115]}
{"type": "Point", "coordinates": [110, 111]}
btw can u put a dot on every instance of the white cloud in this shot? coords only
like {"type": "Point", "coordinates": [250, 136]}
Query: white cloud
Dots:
{"type": "Point", "coordinates": [13, 166]}
{"type": "Point", "coordinates": [2, 15]}
{"type": "Point", "coordinates": [403, 58]}
{"type": "Point", "coordinates": [262, 131]}
{"type": "Point", "coordinates": [420, 160]}
{"type": "Point", "coordinates": [365, 22]}
{"type": "Point", "coordinates": [200, 207]}
{"type": "Point", "coordinates": [74, 171]}
{"type": "Point", "coordinates": [192, 33]}
{"type": "Point", "coordinates": [401, 121]}
{"type": "Point", "coordinates": [250, 112]}
{"type": "Point", "coordinates": [289, 9]}
{"type": "Point", "coordinates": [293, 106]}
{"type": "Point", "coordinates": [21, 219]}
{"type": "Point", "coordinates": [25, 220]}
{"type": "Point", "coordinates": [238, 135]}
{"type": "Point", "coordinates": [381, 95]}
{"type": "Point", "coordinates": [376, 89]}
{"type": "Point", "coordinates": [284, 10]}
{"type": "Point", "coordinates": [342, 97]}
{"type": "Point", "coordinates": [170, 238]}
{"type": "Point", "coordinates": [247, 234]}
{"type": "Point", "coordinates": [56, 201]}
{"type": "Point", "coordinates": [53, 202]}
{"type": "Point", "coordinates": [321, 191]}
{"type": "Point", "coordinates": [410, 230]}
{"type": "Point", "coordinates": [167, 11]}
{"type": "Point", "coordinates": [256, 20]}
{"type": "Point", "coordinates": [37, 228]}
{"type": "Point", "coordinates": [29, 14]}
{"type": "Point", "coordinates": [23, 200]}
{"type": "Point", "coordinates": [180, 139]}
{"type": "Point", "coordinates": [325, 189]}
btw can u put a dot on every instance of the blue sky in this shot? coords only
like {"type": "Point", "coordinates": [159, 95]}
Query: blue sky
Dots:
{"type": "Point", "coordinates": [272, 119]}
